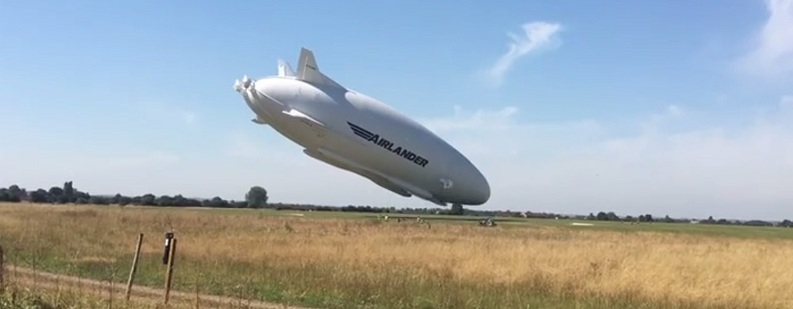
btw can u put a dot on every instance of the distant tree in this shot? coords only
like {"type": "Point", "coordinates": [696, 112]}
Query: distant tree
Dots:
{"type": "Point", "coordinates": [6, 195]}
{"type": "Point", "coordinates": [68, 191]}
{"type": "Point", "coordinates": [216, 202]}
{"type": "Point", "coordinates": [178, 200]}
{"type": "Point", "coordinates": [758, 223]}
{"type": "Point", "coordinates": [164, 201]}
{"type": "Point", "coordinates": [602, 216]}
{"type": "Point", "coordinates": [124, 200]}
{"type": "Point", "coordinates": [39, 196]}
{"type": "Point", "coordinates": [115, 199]}
{"type": "Point", "coordinates": [256, 197]}
{"type": "Point", "coordinates": [14, 190]}
{"type": "Point", "coordinates": [56, 192]}
{"type": "Point", "coordinates": [97, 200]}
{"type": "Point", "coordinates": [147, 199]}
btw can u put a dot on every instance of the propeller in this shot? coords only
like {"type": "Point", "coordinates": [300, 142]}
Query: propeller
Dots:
{"type": "Point", "coordinates": [246, 82]}
{"type": "Point", "coordinates": [284, 70]}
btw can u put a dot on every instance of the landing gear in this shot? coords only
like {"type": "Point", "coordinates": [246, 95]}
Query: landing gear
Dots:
{"type": "Point", "coordinates": [457, 209]}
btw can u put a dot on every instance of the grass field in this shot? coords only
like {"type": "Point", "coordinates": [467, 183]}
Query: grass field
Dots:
{"type": "Point", "coordinates": [23, 298]}
{"type": "Point", "coordinates": [355, 261]}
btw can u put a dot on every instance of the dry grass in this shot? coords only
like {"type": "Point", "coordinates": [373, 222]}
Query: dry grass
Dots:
{"type": "Point", "coordinates": [344, 263]}
{"type": "Point", "coordinates": [25, 287]}
{"type": "Point", "coordinates": [21, 298]}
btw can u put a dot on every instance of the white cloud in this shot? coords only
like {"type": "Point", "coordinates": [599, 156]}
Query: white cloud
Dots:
{"type": "Point", "coordinates": [582, 167]}
{"type": "Point", "coordinates": [537, 36]}
{"type": "Point", "coordinates": [565, 167]}
{"type": "Point", "coordinates": [189, 118]}
{"type": "Point", "coordinates": [773, 52]}
{"type": "Point", "coordinates": [89, 170]}
{"type": "Point", "coordinates": [241, 145]}
{"type": "Point", "coordinates": [502, 128]}
{"type": "Point", "coordinates": [169, 113]}
{"type": "Point", "coordinates": [786, 104]}
{"type": "Point", "coordinates": [675, 110]}
{"type": "Point", "coordinates": [150, 159]}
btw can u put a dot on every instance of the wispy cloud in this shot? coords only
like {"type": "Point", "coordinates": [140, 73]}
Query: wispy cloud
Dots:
{"type": "Point", "coordinates": [242, 146]}
{"type": "Point", "coordinates": [499, 134]}
{"type": "Point", "coordinates": [588, 166]}
{"type": "Point", "coordinates": [577, 166]}
{"type": "Point", "coordinates": [786, 103]}
{"type": "Point", "coordinates": [170, 113]}
{"type": "Point", "coordinates": [131, 162]}
{"type": "Point", "coordinates": [537, 36]}
{"type": "Point", "coordinates": [189, 118]}
{"type": "Point", "coordinates": [772, 55]}
{"type": "Point", "coordinates": [90, 170]}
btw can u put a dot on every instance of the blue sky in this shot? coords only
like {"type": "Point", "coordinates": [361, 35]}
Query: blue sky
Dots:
{"type": "Point", "coordinates": [678, 108]}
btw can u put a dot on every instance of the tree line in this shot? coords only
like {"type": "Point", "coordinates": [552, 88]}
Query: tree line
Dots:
{"type": "Point", "coordinates": [256, 197]}
{"type": "Point", "coordinates": [610, 216]}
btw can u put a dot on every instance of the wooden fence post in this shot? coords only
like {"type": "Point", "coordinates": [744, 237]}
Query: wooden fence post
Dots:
{"type": "Point", "coordinates": [169, 272]}
{"type": "Point", "coordinates": [134, 266]}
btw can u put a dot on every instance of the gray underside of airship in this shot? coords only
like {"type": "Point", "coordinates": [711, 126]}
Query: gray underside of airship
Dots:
{"type": "Point", "coordinates": [371, 176]}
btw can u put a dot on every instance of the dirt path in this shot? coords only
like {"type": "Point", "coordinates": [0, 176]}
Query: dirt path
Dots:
{"type": "Point", "coordinates": [28, 278]}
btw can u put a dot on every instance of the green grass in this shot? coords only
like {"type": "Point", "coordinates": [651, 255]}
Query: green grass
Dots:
{"type": "Point", "coordinates": [715, 230]}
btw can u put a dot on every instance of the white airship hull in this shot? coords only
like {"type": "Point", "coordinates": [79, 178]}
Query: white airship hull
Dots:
{"type": "Point", "coordinates": [357, 133]}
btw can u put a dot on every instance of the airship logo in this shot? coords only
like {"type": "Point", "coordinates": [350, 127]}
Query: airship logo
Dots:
{"type": "Point", "coordinates": [388, 145]}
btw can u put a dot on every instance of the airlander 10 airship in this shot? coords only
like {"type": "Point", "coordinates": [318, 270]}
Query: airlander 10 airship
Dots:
{"type": "Point", "coordinates": [359, 134]}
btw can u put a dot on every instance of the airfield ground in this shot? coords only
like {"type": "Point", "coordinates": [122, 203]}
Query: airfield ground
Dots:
{"type": "Point", "coordinates": [342, 260]}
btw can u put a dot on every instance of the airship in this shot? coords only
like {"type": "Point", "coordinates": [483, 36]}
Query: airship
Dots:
{"type": "Point", "coordinates": [357, 133]}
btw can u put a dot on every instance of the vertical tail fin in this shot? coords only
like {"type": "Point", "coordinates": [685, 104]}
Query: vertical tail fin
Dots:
{"type": "Point", "coordinates": [284, 69]}
{"type": "Point", "coordinates": [308, 70]}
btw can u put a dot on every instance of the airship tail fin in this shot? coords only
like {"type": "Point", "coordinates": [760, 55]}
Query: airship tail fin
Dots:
{"type": "Point", "coordinates": [284, 69]}
{"type": "Point", "coordinates": [308, 70]}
